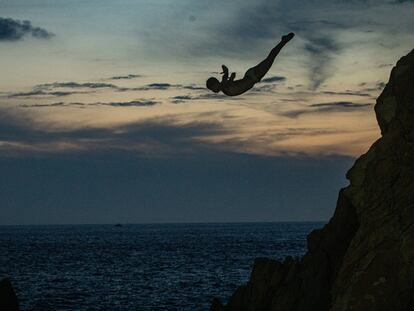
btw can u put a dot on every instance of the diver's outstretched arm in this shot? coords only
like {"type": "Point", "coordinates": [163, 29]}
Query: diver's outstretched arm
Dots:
{"type": "Point", "coordinates": [262, 68]}
{"type": "Point", "coordinates": [225, 73]}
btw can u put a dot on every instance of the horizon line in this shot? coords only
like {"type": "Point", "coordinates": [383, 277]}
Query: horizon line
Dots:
{"type": "Point", "coordinates": [166, 223]}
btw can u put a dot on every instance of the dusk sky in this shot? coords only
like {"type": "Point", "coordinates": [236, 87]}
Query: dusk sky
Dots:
{"type": "Point", "coordinates": [105, 118]}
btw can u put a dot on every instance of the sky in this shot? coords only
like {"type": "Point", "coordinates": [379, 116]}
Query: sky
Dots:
{"type": "Point", "coordinates": [105, 118]}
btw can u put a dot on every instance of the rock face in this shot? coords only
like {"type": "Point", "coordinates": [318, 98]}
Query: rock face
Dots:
{"type": "Point", "coordinates": [363, 259]}
{"type": "Point", "coordinates": [8, 299]}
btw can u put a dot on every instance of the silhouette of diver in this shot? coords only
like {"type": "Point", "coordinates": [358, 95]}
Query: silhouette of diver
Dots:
{"type": "Point", "coordinates": [232, 87]}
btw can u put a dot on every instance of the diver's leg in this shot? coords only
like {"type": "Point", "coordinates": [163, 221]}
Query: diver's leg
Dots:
{"type": "Point", "coordinates": [261, 69]}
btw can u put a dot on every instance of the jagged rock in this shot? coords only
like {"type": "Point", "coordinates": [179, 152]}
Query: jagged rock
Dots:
{"type": "Point", "coordinates": [363, 259]}
{"type": "Point", "coordinates": [216, 305]}
{"type": "Point", "coordinates": [8, 299]}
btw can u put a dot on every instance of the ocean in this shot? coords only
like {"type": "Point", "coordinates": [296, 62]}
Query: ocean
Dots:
{"type": "Point", "coordinates": [139, 267]}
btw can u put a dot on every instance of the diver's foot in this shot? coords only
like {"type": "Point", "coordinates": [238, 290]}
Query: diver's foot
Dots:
{"type": "Point", "coordinates": [288, 37]}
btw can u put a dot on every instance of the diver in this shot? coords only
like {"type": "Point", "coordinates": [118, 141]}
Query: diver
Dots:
{"type": "Point", "coordinates": [232, 87]}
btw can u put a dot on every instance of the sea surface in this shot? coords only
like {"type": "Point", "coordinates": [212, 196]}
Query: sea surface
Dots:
{"type": "Point", "coordinates": [139, 267]}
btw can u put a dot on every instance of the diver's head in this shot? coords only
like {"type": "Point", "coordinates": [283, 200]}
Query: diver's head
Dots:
{"type": "Point", "coordinates": [213, 84]}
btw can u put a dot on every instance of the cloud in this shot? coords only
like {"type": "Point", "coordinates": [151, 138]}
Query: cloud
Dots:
{"type": "Point", "coordinates": [75, 85]}
{"type": "Point", "coordinates": [163, 189]}
{"type": "Point", "coordinates": [325, 30]}
{"type": "Point", "coordinates": [59, 104]}
{"type": "Point", "coordinates": [267, 138]}
{"type": "Point", "coordinates": [132, 103]}
{"type": "Point", "coordinates": [401, 1]}
{"type": "Point", "coordinates": [274, 79]}
{"type": "Point", "coordinates": [162, 86]}
{"type": "Point", "coordinates": [321, 50]}
{"type": "Point", "coordinates": [152, 86]}
{"type": "Point", "coordinates": [158, 86]}
{"type": "Point", "coordinates": [49, 89]}
{"type": "Point", "coordinates": [14, 30]}
{"type": "Point", "coordinates": [37, 93]}
{"type": "Point", "coordinates": [127, 77]}
{"type": "Point", "coordinates": [341, 106]}
{"type": "Point", "coordinates": [181, 98]}
{"type": "Point", "coordinates": [381, 85]}
{"type": "Point", "coordinates": [157, 136]}
{"type": "Point", "coordinates": [255, 24]}
{"type": "Point", "coordinates": [347, 93]}
{"type": "Point", "coordinates": [206, 96]}
{"type": "Point", "coordinates": [378, 86]}
{"type": "Point", "coordinates": [193, 87]}
{"type": "Point", "coordinates": [266, 88]}
{"type": "Point", "coordinates": [58, 88]}
{"type": "Point", "coordinates": [385, 65]}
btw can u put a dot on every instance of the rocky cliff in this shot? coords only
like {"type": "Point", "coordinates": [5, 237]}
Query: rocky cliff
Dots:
{"type": "Point", "coordinates": [363, 259]}
{"type": "Point", "coordinates": [8, 299]}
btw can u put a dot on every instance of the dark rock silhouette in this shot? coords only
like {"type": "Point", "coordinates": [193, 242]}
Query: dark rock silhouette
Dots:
{"type": "Point", "coordinates": [363, 259]}
{"type": "Point", "coordinates": [8, 299]}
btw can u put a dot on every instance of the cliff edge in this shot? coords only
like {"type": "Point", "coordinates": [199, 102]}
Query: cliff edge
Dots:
{"type": "Point", "coordinates": [363, 259]}
{"type": "Point", "coordinates": [8, 299]}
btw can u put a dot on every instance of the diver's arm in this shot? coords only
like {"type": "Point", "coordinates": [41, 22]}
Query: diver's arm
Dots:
{"type": "Point", "coordinates": [225, 73]}
{"type": "Point", "coordinates": [232, 76]}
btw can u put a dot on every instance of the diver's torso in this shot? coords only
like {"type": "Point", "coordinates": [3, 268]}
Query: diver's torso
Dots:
{"type": "Point", "coordinates": [237, 87]}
